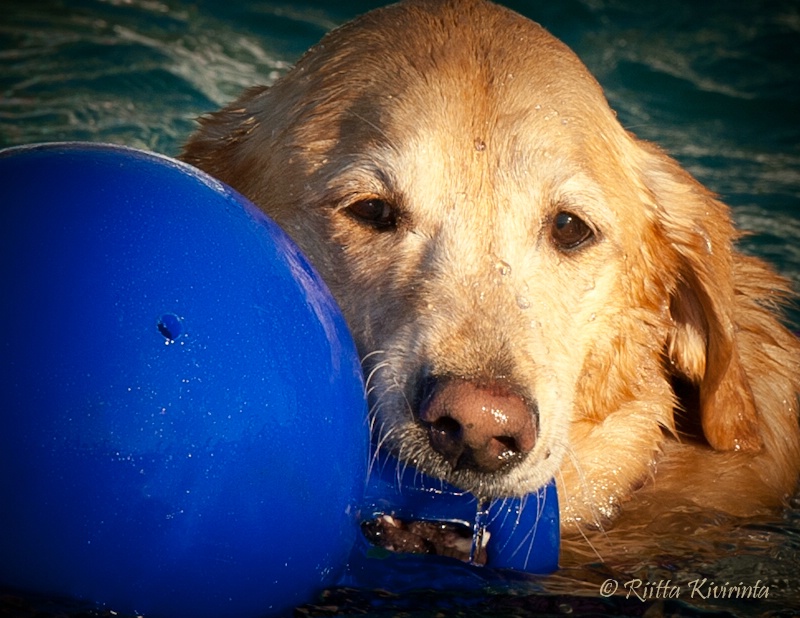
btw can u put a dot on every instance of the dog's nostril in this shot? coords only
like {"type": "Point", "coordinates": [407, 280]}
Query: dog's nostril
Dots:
{"type": "Point", "coordinates": [446, 436]}
{"type": "Point", "coordinates": [447, 425]}
{"type": "Point", "coordinates": [508, 445]}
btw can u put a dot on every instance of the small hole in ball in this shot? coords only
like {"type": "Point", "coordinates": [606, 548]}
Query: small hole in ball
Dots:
{"type": "Point", "coordinates": [170, 326]}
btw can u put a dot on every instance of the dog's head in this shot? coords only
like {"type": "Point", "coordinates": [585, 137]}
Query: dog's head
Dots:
{"type": "Point", "coordinates": [525, 280]}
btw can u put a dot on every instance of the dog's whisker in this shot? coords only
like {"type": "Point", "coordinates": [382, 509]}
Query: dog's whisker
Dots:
{"type": "Point", "coordinates": [580, 527]}
{"type": "Point", "coordinates": [371, 388]}
{"type": "Point", "coordinates": [526, 543]}
{"type": "Point", "coordinates": [408, 407]}
{"type": "Point", "coordinates": [585, 537]}
{"type": "Point", "coordinates": [364, 361]}
{"type": "Point", "coordinates": [370, 354]}
{"type": "Point", "coordinates": [597, 518]}
{"type": "Point", "coordinates": [374, 370]}
{"type": "Point", "coordinates": [541, 499]}
{"type": "Point", "coordinates": [384, 435]}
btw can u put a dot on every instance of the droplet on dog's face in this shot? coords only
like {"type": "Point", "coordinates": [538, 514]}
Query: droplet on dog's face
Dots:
{"type": "Point", "coordinates": [503, 267]}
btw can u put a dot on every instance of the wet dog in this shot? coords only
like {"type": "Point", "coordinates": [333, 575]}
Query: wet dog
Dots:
{"type": "Point", "coordinates": [535, 292]}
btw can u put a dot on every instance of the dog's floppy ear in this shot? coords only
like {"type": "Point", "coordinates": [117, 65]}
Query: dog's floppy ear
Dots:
{"type": "Point", "coordinates": [701, 344]}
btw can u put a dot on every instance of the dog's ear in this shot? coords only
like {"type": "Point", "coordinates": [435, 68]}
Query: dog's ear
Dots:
{"type": "Point", "coordinates": [219, 146]}
{"type": "Point", "coordinates": [701, 344]}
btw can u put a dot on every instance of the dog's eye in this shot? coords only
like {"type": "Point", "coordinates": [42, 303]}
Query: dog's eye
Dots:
{"type": "Point", "coordinates": [569, 231]}
{"type": "Point", "coordinates": [375, 212]}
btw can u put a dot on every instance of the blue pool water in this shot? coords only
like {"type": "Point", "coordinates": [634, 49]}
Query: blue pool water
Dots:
{"type": "Point", "coordinates": [715, 83]}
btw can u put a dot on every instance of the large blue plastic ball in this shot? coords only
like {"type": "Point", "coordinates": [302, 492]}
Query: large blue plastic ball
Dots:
{"type": "Point", "coordinates": [181, 414]}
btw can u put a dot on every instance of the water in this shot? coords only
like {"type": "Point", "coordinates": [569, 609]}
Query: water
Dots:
{"type": "Point", "coordinates": [714, 83]}
{"type": "Point", "coordinates": [479, 531]}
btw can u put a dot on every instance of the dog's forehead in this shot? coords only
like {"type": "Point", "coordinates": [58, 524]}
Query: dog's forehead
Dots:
{"type": "Point", "coordinates": [465, 83]}
{"type": "Point", "coordinates": [472, 51]}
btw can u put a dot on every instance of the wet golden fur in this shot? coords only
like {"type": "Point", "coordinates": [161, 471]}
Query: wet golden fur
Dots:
{"type": "Point", "coordinates": [659, 370]}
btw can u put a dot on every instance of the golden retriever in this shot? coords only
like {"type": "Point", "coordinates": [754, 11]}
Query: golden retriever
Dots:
{"type": "Point", "coordinates": [535, 292]}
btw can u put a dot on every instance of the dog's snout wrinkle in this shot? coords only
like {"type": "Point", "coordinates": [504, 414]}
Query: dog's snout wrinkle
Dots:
{"type": "Point", "coordinates": [477, 426]}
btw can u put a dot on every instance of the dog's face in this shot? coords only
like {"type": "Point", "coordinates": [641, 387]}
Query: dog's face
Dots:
{"type": "Point", "coordinates": [520, 293]}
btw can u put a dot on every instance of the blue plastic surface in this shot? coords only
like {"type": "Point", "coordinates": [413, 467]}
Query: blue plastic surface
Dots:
{"type": "Point", "coordinates": [524, 533]}
{"type": "Point", "coordinates": [177, 391]}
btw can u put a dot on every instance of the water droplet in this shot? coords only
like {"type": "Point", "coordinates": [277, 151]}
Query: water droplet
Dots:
{"type": "Point", "coordinates": [504, 268]}
{"type": "Point", "coordinates": [170, 326]}
{"type": "Point", "coordinates": [523, 303]}
{"type": "Point", "coordinates": [479, 534]}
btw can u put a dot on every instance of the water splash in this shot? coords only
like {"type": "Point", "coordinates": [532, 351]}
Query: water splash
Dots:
{"type": "Point", "coordinates": [480, 536]}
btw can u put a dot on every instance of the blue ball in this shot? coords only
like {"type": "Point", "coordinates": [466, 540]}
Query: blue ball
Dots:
{"type": "Point", "coordinates": [182, 428]}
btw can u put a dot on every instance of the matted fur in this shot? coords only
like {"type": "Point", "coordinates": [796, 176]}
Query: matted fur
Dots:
{"type": "Point", "coordinates": [652, 356]}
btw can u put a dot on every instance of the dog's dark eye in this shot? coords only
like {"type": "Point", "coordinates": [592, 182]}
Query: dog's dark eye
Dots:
{"type": "Point", "coordinates": [569, 231]}
{"type": "Point", "coordinates": [376, 212]}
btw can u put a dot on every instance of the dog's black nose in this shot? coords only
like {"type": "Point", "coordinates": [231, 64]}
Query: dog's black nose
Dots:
{"type": "Point", "coordinates": [481, 426]}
